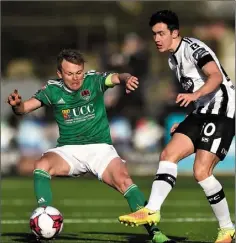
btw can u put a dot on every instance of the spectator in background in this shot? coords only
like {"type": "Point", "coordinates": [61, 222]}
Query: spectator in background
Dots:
{"type": "Point", "coordinates": [136, 54]}
{"type": "Point", "coordinates": [136, 60]}
{"type": "Point", "coordinates": [225, 41]}
{"type": "Point", "coordinates": [134, 57]}
{"type": "Point", "coordinates": [111, 58]}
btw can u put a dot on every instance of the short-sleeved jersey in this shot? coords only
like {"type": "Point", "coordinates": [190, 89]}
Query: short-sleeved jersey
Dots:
{"type": "Point", "coordinates": [80, 115]}
{"type": "Point", "coordinates": [187, 62]}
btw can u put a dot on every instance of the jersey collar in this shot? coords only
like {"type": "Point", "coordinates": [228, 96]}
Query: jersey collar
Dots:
{"type": "Point", "coordinates": [178, 46]}
{"type": "Point", "coordinates": [67, 89]}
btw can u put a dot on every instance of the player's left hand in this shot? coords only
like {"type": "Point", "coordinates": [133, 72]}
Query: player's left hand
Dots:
{"type": "Point", "coordinates": [131, 84]}
{"type": "Point", "coordinates": [186, 99]}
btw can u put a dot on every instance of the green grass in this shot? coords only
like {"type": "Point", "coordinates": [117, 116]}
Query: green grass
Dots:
{"type": "Point", "coordinates": [90, 209]}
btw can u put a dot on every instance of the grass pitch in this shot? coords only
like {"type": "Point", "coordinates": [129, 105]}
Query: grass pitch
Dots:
{"type": "Point", "coordinates": [90, 210]}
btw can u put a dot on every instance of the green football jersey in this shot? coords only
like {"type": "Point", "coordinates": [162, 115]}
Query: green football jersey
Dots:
{"type": "Point", "coordinates": [80, 115]}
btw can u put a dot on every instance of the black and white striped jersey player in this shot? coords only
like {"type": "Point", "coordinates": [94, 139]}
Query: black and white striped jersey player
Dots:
{"type": "Point", "coordinates": [207, 131]}
{"type": "Point", "coordinates": [211, 124]}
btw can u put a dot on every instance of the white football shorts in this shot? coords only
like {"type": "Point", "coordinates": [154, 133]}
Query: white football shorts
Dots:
{"type": "Point", "coordinates": [93, 158]}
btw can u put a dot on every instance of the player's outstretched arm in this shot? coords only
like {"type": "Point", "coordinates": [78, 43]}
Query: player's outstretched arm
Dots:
{"type": "Point", "coordinates": [19, 107]}
{"type": "Point", "coordinates": [131, 82]}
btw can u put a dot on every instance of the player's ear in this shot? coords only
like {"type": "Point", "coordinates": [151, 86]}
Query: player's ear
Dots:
{"type": "Point", "coordinates": [175, 34]}
{"type": "Point", "coordinates": [59, 74]}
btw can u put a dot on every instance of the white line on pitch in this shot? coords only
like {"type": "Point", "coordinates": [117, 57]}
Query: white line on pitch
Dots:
{"type": "Point", "coordinates": [100, 203]}
{"type": "Point", "coordinates": [109, 221]}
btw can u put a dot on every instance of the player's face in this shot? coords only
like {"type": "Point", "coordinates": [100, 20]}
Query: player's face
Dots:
{"type": "Point", "coordinates": [72, 74]}
{"type": "Point", "coordinates": [163, 37]}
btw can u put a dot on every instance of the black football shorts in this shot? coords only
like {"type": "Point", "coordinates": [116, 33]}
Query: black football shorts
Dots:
{"type": "Point", "coordinates": [209, 132]}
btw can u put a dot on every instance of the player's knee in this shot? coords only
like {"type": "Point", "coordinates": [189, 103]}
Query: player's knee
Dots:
{"type": "Point", "coordinates": [201, 173]}
{"type": "Point", "coordinates": [44, 164]}
{"type": "Point", "coordinates": [172, 154]}
{"type": "Point", "coordinates": [166, 155]}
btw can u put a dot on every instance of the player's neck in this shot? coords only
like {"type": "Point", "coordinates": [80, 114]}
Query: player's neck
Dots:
{"type": "Point", "coordinates": [175, 44]}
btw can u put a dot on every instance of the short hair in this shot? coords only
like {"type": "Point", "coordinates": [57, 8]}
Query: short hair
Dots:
{"type": "Point", "coordinates": [70, 55]}
{"type": "Point", "coordinates": [167, 17]}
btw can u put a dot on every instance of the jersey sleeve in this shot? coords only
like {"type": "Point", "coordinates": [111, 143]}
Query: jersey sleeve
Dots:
{"type": "Point", "coordinates": [101, 80]}
{"type": "Point", "coordinates": [43, 95]}
{"type": "Point", "coordinates": [199, 53]}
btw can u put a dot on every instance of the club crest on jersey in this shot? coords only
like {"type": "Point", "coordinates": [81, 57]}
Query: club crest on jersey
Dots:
{"type": "Point", "coordinates": [66, 114]}
{"type": "Point", "coordinates": [85, 94]}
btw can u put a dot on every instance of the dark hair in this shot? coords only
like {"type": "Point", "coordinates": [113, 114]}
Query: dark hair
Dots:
{"type": "Point", "coordinates": [70, 55]}
{"type": "Point", "coordinates": [167, 17]}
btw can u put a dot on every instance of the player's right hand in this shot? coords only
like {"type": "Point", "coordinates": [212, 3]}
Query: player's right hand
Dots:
{"type": "Point", "coordinates": [173, 128]}
{"type": "Point", "coordinates": [131, 84]}
{"type": "Point", "coordinates": [14, 99]}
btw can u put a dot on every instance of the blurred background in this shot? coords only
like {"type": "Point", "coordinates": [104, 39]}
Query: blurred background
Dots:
{"type": "Point", "coordinates": [114, 36]}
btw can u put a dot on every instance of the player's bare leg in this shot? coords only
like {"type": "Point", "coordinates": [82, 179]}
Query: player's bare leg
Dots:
{"type": "Point", "coordinates": [48, 165]}
{"type": "Point", "coordinates": [116, 175]}
{"type": "Point", "coordinates": [164, 180]}
{"type": "Point", "coordinates": [203, 172]}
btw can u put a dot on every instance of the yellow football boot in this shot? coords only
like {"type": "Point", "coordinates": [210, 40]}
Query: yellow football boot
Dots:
{"type": "Point", "coordinates": [225, 235]}
{"type": "Point", "coordinates": [140, 217]}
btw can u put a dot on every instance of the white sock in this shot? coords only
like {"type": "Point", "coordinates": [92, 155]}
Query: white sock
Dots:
{"type": "Point", "coordinates": [217, 200]}
{"type": "Point", "coordinates": [162, 185]}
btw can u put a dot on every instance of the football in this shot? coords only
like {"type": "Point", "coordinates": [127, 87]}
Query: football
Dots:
{"type": "Point", "coordinates": [46, 222]}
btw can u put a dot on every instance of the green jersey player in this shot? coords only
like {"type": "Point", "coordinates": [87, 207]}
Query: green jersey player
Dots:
{"type": "Point", "coordinates": [84, 144]}
{"type": "Point", "coordinates": [80, 115]}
